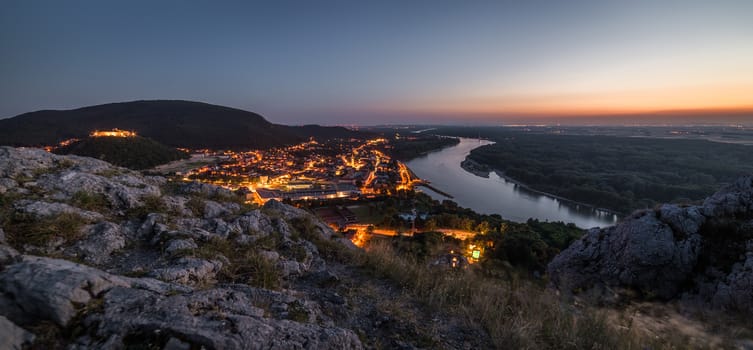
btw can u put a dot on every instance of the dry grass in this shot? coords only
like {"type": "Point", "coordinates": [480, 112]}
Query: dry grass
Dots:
{"type": "Point", "coordinates": [246, 265]}
{"type": "Point", "coordinates": [25, 229]}
{"type": "Point", "coordinates": [149, 204]}
{"type": "Point", "coordinates": [516, 316]}
{"type": "Point", "coordinates": [90, 201]}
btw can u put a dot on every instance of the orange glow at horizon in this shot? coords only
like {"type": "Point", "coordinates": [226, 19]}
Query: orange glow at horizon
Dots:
{"type": "Point", "coordinates": [729, 99]}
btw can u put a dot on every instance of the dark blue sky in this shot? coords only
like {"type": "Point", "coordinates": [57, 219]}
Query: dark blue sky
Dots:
{"type": "Point", "coordinates": [383, 61]}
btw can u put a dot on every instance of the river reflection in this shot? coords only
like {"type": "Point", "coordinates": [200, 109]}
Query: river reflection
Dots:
{"type": "Point", "coordinates": [496, 195]}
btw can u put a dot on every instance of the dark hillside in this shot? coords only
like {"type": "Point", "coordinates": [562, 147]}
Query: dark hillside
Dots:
{"type": "Point", "coordinates": [130, 152]}
{"type": "Point", "coordinates": [173, 123]}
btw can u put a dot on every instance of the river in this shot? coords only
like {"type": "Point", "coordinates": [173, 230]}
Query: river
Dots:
{"type": "Point", "coordinates": [496, 195]}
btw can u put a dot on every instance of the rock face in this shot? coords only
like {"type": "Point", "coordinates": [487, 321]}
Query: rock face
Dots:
{"type": "Point", "coordinates": [102, 240]}
{"type": "Point", "coordinates": [703, 251]}
{"type": "Point", "coordinates": [216, 319]}
{"type": "Point", "coordinates": [42, 209]}
{"type": "Point", "coordinates": [50, 288]}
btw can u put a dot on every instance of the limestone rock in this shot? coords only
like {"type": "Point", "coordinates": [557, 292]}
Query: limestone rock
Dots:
{"type": "Point", "coordinates": [41, 209]}
{"type": "Point", "coordinates": [13, 337]}
{"type": "Point", "coordinates": [16, 162]}
{"type": "Point", "coordinates": [149, 227]}
{"type": "Point", "coordinates": [700, 251]}
{"type": "Point", "coordinates": [213, 209]}
{"type": "Point", "coordinates": [733, 199]}
{"type": "Point", "coordinates": [189, 271]}
{"type": "Point", "coordinates": [253, 222]}
{"type": "Point", "coordinates": [215, 319]}
{"type": "Point", "coordinates": [8, 255]}
{"type": "Point", "coordinates": [682, 220]}
{"type": "Point", "coordinates": [178, 245]}
{"type": "Point", "coordinates": [177, 204]}
{"type": "Point", "coordinates": [102, 240]}
{"type": "Point", "coordinates": [122, 196]}
{"type": "Point", "coordinates": [640, 252]}
{"type": "Point", "coordinates": [736, 290]}
{"type": "Point", "coordinates": [50, 289]}
{"type": "Point", "coordinates": [7, 184]}
{"type": "Point", "coordinates": [289, 268]}
{"type": "Point", "coordinates": [176, 344]}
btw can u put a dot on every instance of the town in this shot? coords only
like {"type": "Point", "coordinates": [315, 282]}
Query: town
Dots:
{"type": "Point", "coordinates": [310, 170]}
{"type": "Point", "coordinates": [340, 180]}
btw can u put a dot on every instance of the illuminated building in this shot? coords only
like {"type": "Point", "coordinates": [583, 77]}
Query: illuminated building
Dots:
{"type": "Point", "coordinates": [113, 133]}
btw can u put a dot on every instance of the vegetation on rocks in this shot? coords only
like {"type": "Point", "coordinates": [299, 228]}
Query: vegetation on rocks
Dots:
{"type": "Point", "coordinates": [245, 264]}
{"type": "Point", "coordinates": [23, 229]}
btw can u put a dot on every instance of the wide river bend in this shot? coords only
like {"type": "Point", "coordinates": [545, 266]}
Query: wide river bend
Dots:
{"type": "Point", "coordinates": [496, 195]}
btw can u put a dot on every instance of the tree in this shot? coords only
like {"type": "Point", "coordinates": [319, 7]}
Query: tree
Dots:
{"type": "Point", "coordinates": [430, 225]}
{"type": "Point", "coordinates": [482, 227]}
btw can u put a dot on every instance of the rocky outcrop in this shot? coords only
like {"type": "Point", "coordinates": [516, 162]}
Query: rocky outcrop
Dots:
{"type": "Point", "coordinates": [736, 289]}
{"type": "Point", "coordinates": [148, 267]}
{"type": "Point", "coordinates": [122, 192]}
{"type": "Point", "coordinates": [190, 271]}
{"type": "Point", "coordinates": [42, 209]}
{"type": "Point", "coordinates": [670, 251]}
{"type": "Point", "coordinates": [101, 241]}
{"type": "Point", "coordinates": [51, 289]}
{"type": "Point", "coordinates": [215, 319]}
{"type": "Point", "coordinates": [218, 318]}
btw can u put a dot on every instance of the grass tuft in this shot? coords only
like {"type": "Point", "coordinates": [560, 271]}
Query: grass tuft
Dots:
{"type": "Point", "coordinates": [23, 229]}
{"type": "Point", "coordinates": [90, 201]}
{"type": "Point", "coordinates": [246, 265]}
{"type": "Point", "coordinates": [150, 204]}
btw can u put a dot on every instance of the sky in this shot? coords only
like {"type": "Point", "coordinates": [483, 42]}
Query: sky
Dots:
{"type": "Point", "coordinates": [378, 62]}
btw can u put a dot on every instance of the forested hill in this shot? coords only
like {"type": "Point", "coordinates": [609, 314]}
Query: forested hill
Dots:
{"type": "Point", "coordinates": [130, 152]}
{"type": "Point", "coordinates": [173, 123]}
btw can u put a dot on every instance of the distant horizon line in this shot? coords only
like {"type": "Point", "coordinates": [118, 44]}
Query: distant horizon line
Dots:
{"type": "Point", "coordinates": [721, 116]}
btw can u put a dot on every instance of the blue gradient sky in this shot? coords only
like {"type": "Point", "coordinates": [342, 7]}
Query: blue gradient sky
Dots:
{"type": "Point", "coordinates": [353, 62]}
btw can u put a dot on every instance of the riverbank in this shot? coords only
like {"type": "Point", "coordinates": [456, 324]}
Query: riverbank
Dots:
{"type": "Point", "coordinates": [502, 175]}
{"type": "Point", "coordinates": [483, 170]}
{"type": "Point", "coordinates": [493, 195]}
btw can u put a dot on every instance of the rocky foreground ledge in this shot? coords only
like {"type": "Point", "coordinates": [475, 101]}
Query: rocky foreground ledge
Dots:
{"type": "Point", "coordinates": [700, 253]}
{"type": "Point", "coordinates": [105, 258]}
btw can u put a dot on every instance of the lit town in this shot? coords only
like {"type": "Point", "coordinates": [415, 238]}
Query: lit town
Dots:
{"type": "Point", "coordinates": [336, 179]}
